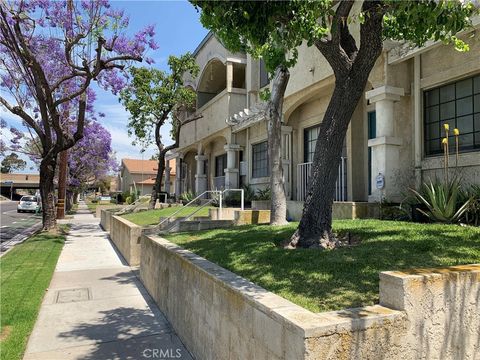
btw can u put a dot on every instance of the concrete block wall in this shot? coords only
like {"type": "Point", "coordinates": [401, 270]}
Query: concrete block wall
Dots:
{"type": "Point", "coordinates": [126, 237]}
{"type": "Point", "coordinates": [106, 218]}
{"type": "Point", "coordinates": [429, 314]}
{"type": "Point", "coordinates": [443, 308]}
{"type": "Point", "coordinates": [247, 217]}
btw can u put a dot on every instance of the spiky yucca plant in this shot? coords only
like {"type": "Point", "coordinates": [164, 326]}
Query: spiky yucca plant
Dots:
{"type": "Point", "coordinates": [441, 200]}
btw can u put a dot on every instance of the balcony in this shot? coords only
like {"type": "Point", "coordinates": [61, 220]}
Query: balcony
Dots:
{"type": "Point", "coordinates": [303, 175]}
{"type": "Point", "coordinates": [214, 113]}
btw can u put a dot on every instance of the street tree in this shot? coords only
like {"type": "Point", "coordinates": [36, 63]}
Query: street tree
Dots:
{"type": "Point", "coordinates": [272, 31]}
{"type": "Point", "coordinates": [153, 97]}
{"type": "Point", "coordinates": [415, 22]}
{"type": "Point", "coordinates": [11, 163]}
{"type": "Point", "coordinates": [90, 160]}
{"type": "Point", "coordinates": [51, 53]}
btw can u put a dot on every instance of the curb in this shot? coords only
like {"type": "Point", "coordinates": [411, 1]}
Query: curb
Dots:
{"type": "Point", "coordinates": [19, 238]}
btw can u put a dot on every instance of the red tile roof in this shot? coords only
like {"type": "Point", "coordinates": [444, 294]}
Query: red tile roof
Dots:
{"type": "Point", "coordinates": [148, 167]}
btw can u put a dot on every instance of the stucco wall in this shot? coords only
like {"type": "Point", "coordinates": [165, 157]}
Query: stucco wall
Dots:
{"type": "Point", "coordinates": [223, 316]}
{"type": "Point", "coordinates": [126, 237]}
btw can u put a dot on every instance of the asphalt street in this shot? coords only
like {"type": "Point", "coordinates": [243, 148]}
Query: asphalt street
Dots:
{"type": "Point", "coordinates": [13, 223]}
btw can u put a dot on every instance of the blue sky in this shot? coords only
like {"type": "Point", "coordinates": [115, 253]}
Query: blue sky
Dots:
{"type": "Point", "coordinates": [178, 30]}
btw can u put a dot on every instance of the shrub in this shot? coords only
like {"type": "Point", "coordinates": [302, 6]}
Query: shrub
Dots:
{"type": "Point", "coordinates": [394, 211]}
{"type": "Point", "coordinates": [248, 193]}
{"type": "Point", "coordinates": [129, 200]}
{"type": "Point", "coordinates": [264, 194]}
{"type": "Point", "coordinates": [186, 197]}
{"type": "Point", "coordinates": [233, 199]}
{"type": "Point", "coordinates": [472, 215]}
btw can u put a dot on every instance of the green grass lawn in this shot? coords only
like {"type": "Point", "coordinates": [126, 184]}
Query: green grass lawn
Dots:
{"type": "Point", "coordinates": [151, 217]}
{"type": "Point", "coordinates": [93, 206]}
{"type": "Point", "coordinates": [336, 279]}
{"type": "Point", "coordinates": [25, 274]}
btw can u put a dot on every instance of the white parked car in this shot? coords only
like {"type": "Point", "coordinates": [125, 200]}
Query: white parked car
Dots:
{"type": "Point", "coordinates": [28, 203]}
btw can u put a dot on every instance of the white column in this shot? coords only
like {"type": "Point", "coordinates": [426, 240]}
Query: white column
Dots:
{"type": "Point", "coordinates": [385, 146]}
{"type": "Point", "coordinates": [200, 176]}
{"type": "Point", "coordinates": [231, 172]}
{"type": "Point", "coordinates": [229, 76]}
{"type": "Point", "coordinates": [418, 120]}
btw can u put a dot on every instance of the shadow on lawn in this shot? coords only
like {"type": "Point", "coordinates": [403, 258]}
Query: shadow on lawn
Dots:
{"type": "Point", "coordinates": [338, 279]}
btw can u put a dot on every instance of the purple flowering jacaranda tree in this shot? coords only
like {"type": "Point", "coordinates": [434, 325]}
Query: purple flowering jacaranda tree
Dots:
{"type": "Point", "coordinates": [90, 160]}
{"type": "Point", "coordinates": [51, 53]}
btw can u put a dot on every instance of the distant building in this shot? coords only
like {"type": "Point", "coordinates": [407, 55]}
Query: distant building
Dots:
{"type": "Point", "coordinates": [139, 176]}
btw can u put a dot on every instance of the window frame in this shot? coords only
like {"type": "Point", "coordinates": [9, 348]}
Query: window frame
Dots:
{"type": "Point", "coordinates": [264, 170]}
{"type": "Point", "coordinates": [436, 105]}
{"type": "Point", "coordinates": [307, 142]}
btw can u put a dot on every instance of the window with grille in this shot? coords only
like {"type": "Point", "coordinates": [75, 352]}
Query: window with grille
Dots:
{"type": "Point", "coordinates": [310, 136]}
{"type": "Point", "coordinates": [260, 166]}
{"type": "Point", "coordinates": [458, 105]}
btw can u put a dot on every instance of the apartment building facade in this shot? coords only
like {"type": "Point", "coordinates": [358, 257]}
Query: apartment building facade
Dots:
{"type": "Point", "coordinates": [394, 135]}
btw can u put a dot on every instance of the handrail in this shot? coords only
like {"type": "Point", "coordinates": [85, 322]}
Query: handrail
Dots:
{"type": "Point", "coordinates": [134, 204]}
{"type": "Point", "coordinates": [188, 204]}
{"type": "Point", "coordinates": [241, 199]}
{"type": "Point", "coordinates": [220, 193]}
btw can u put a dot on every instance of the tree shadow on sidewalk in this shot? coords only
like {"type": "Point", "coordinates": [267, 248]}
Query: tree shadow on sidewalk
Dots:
{"type": "Point", "coordinates": [125, 333]}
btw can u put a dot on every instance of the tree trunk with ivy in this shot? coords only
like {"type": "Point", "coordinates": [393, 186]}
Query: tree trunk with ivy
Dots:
{"type": "Point", "coordinates": [278, 201]}
{"type": "Point", "coordinates": [352, 67]}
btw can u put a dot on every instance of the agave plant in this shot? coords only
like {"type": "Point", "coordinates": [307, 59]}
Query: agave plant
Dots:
{"type": "Point", "coordinates": [442, 201]}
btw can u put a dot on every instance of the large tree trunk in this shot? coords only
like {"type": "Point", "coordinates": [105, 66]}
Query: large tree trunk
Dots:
{"type": "Point", "coordinates": [278, 204]}
{"type": "Point", "coordinates": [315, 228]}
{"type": "Point", "coordinates": [352, 67]}
{"type": "Point", "coordinates": [47, 191]}
{"type": "Point", "coordinates": [158, 180]}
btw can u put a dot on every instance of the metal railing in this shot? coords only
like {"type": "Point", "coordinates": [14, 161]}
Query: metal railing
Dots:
{"type": "Point", "coordinates": [167, 219]}
{"type": "Point", "coordinates": [201, 196]}
{"type": "Point", "coordinates": [304, 171]}
{"type": "Point", "coordinates": [132, 206]}
{"type": "Point", "coordinates": [242, 197]}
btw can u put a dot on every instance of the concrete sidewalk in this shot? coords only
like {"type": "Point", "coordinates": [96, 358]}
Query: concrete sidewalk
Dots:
{"type": "Point", "coordinates": [96, 308]}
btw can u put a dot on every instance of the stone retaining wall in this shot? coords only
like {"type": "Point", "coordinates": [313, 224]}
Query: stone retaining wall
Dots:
{"type": "Point", "coordinates": [428, 314]}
